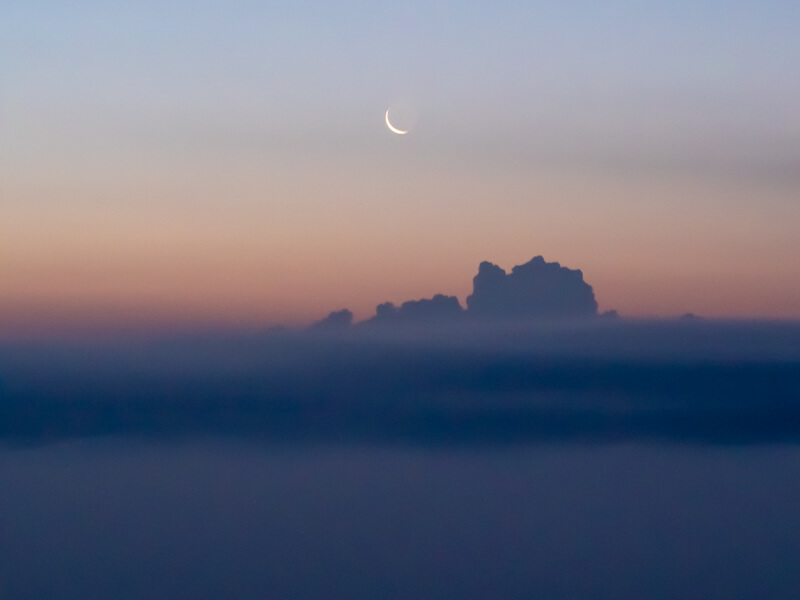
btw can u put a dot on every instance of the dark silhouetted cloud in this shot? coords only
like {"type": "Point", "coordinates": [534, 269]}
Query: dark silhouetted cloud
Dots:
{"type": "Point", "coordinates": [439, 309]}
{"type": "Point", "coordinates": [337, 320]}
{"type": "Point", "coordinates": [534, 290]}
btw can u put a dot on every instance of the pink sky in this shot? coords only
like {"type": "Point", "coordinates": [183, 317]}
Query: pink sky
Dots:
{"type": "Point", "coordinates": [242, 245]}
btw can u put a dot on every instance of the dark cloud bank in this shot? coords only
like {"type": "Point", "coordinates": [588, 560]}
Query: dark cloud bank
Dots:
{"type": "Point", "coordinates": [528, 359]}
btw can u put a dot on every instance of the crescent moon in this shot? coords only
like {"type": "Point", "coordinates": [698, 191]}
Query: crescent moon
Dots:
{"type": "Point", "coordinates": [392, 127]}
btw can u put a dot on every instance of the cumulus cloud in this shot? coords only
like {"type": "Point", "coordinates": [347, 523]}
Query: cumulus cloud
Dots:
{"type": "Point", "coordinates": [440, 308]}
{"type": "Point", "coordinates": [533, 290]}
{"type": "Point", "coordinates": [337, 320]}
{"type": "Point", "coordinates": [537, 289]}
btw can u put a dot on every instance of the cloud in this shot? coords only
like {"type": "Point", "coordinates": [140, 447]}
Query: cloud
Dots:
{"type": "Point", "coordinates": [603, 380]}
{"type": "Point", "coordinates": [534, 290]}
{"type": "Point", "coordinates": [504, 372]}
{"type": "Point", "coordinates": [438, 309]}
{"type": "Point", "coordinates": [337, 320]}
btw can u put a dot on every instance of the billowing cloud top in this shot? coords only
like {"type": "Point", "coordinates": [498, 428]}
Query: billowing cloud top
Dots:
{"type": "Point", "coordinates": [535, 289]}
{"type": "Point", "coordinates": [438, 308]}
{"type": "Point", "coordinates": [338, 319]}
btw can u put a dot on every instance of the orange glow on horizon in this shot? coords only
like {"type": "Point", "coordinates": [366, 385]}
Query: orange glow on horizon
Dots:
{"type": "Point", "coordinates": [240, 246]}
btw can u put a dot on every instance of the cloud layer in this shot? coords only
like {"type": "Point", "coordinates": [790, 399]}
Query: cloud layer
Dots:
{"type": "Point", "coordinates": [604, 379]}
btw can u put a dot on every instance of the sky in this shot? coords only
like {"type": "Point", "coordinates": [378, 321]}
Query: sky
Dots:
{"type": "Point", "coordinates": [227, 163]}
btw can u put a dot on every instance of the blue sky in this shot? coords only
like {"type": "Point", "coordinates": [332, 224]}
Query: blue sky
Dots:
{"type": "Point", "coordinates": [674, 78]}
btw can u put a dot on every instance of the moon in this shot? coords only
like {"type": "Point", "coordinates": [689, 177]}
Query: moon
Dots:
{"type": "Point", "coordinates": [392, 127]}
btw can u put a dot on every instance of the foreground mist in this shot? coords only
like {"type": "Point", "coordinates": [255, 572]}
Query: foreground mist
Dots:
{"type": "Point", "coordinates": [598, 459]}
{"type": "Point", "coordinates": [211, 519]}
